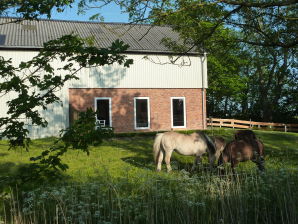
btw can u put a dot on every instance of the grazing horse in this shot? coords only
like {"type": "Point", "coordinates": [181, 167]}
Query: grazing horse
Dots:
{"type": "Point", "coordinates": [195, 144]}
{"type": "Point", "coordinates": [245, 147]}
{"type": "Point", "coordinates": [219, 144]}
{"type": "Point", "coordinates": [249, 137]}
{"type": "Point", "coordinates": [245, 135]}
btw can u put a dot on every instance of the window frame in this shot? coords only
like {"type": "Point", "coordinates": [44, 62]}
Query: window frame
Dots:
{"type": "Point", "coordinates": [110, 108]}
{"type": "Point", "coordinates": [135, 112]}
{"type": "Point", "coordinates": [184, 111]}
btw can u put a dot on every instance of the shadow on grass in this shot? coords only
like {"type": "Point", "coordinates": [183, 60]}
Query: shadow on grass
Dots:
{"type": "Point", "coordinates": [26, 176]}
{"type": "Point", "coordinates": [3, 154]}
{"type": "Point", "coordinates": [280, 147]}
{"type": "Point", "coordinates": [43, 143]}
{"type": "Point", "coordinates": [139, 162]}
{"type": "Point", "coordinates": [140, 146]}
{"type": "Point", "coordinates": [143, 156]}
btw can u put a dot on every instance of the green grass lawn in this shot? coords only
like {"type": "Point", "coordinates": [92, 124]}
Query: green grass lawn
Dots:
{"type": "Point", "coordinates": [120, 156]}
{"type": "Point", "coordinates": [137, 194]}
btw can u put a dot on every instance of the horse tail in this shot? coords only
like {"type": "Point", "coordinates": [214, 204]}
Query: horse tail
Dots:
{"type": "Point", "coordinates": [156, 146]}
{"type": "Point", "coordinates": [210, 144]}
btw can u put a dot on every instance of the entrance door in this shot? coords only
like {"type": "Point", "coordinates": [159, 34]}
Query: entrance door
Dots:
{"type": "Point", "coordinates": [103, 111]}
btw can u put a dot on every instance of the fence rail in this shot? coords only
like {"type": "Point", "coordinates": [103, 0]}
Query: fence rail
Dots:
{"type": "Point", "coordinates": [233, 123]}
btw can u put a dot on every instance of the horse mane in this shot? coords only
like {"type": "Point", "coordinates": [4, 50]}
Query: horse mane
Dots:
{"type": "Point", "coordinates": [210, 143]}
{"type": "Point", "coordinates": [245, 135]}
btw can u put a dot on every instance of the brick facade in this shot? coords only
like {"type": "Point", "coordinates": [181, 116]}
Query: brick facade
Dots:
{"type": "Point", "coordinates": [123, 106]}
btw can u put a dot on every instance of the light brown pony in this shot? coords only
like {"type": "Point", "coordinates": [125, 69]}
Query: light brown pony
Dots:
{"type": "Point", "coordinates": [195, 144]}
{"type": "Point", "coordinates": [245, 147]}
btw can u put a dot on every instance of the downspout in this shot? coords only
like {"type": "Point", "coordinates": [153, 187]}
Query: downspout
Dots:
{"type": "Point", "coordinates": [204, 73]}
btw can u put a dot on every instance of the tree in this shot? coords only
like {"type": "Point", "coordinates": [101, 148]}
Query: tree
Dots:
{"type": "Point", "coordinates": [35, 82]}
{"type": "Point", "coordinates": [32, 9]}
{"type": "Point", "coordinates": [251, 49]}
{"type": "Point", "coordinates": [224, 63]}
{"type": "Point", "coordinates": [279, 17]}
{"type": "Point", "coordinates": [272, 82]}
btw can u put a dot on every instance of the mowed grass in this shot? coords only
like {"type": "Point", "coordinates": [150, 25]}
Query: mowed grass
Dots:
{"type": "Point", "coordinates": [117, 183]}
{"type": "Point", "coordinates": [119, 156]}
{"type": "Point", "coordinates": [116, 156]}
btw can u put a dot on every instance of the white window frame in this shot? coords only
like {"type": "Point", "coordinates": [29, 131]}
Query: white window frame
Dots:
{"type": "Point", "coordinates": [184, 111]}
{"type": "Point", "coordinates": [135, 112]}
{"type": "Point", "coordinates": [110, 107]}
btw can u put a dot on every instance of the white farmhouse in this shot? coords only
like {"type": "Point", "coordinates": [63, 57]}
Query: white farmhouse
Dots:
{"type": "Point", "coordinates": [151, 95]}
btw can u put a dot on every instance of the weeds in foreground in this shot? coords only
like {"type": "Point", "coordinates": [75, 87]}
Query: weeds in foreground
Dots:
{"type": "Point", "coordinates": [178, 198]}
{"type": "Point", "coordinates": [117, 184]}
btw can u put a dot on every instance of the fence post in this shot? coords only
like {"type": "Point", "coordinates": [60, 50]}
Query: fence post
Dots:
{"type": "Point", "coordinates": [285, 127]}
{"type": "Point", "coordinates": [211, 121]}
{"type": "Point", "coordinates": [220, 122]}
{"type": "Point", "coordinates": [233, 123]}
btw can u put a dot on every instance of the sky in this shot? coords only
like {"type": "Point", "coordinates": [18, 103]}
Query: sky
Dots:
{"type": "Point", "coordinates": [111, 13]}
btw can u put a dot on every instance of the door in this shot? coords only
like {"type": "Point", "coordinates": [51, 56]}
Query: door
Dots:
{"type": "Point", "coordinates": [103, 111]}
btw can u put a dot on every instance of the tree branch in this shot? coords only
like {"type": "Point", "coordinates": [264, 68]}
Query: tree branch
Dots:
{"type": "Point", "coordinates": [260, 4]}
{"type": "Point", "coordinates": [13, 21]}
{"type": "Point", "coordinates": [272, 44]}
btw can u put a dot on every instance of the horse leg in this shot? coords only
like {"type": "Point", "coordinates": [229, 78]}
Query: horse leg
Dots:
{"type": "Point", "coordinates": [159, 160]}
{"type": "Point", "coordinates": [234, 163]}
{"type": "Point", "coordinates": [212, 159]}
{"type": "Point", "coordinates": [197, 160]}
{"type": "Point", "coordinates": [168, 160]}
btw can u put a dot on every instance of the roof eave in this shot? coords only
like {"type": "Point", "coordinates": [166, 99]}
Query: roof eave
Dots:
{"type": "Point", "coordinates": [34, 48]}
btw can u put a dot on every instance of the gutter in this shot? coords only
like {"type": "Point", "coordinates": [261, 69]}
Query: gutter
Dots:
{"type": "Point", "coordinates": [35, 48]}
{"type": "Point", "coordinates": [204, 73]}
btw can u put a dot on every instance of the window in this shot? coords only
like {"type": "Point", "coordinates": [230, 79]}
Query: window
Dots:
{"type": "Point", "coordinates": [142, 112]}
{"type": "Point", "coordinates": [178, 112]}
{"type": "Point", "coordinates": [103, 111]}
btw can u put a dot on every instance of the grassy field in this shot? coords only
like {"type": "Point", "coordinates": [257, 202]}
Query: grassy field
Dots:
{"type": "Point", "coordinates": [117, 183]}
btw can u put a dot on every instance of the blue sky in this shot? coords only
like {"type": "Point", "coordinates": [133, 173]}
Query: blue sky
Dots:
{"type": "Point", "coordinates": [111, 13]}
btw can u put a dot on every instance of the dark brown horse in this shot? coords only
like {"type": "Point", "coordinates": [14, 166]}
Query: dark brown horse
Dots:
{"type": "Point", "coordinates": [249, 137]}
{"type": "Point", "coordinates": [245, 147]}
{"type": "Point", "coordinates": [245, 135]}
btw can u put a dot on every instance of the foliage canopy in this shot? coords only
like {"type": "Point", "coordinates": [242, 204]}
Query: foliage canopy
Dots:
{"type": "Point", "coordinates": [33, 85]}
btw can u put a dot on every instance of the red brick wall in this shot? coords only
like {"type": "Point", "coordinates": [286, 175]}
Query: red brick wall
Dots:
{"type": "Point", "coordinates": [123, 106]}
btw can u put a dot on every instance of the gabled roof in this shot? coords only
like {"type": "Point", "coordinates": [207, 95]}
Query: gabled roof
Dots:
{"type": "Point", "coordinates": [32, 34]}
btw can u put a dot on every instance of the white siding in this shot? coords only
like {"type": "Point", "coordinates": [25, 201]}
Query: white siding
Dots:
{"type": "Point", "coordinates": [56, 114]}
{"type": "Point", "coordinates": [154, 72]}
{"type": "Point", "coordinates": [145, 74]}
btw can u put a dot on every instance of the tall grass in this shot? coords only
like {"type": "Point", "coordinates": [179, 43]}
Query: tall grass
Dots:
{"type": "Point", "coordinates": [246, 198]}
{"type": "Point", "coordinates": [117, 184]}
